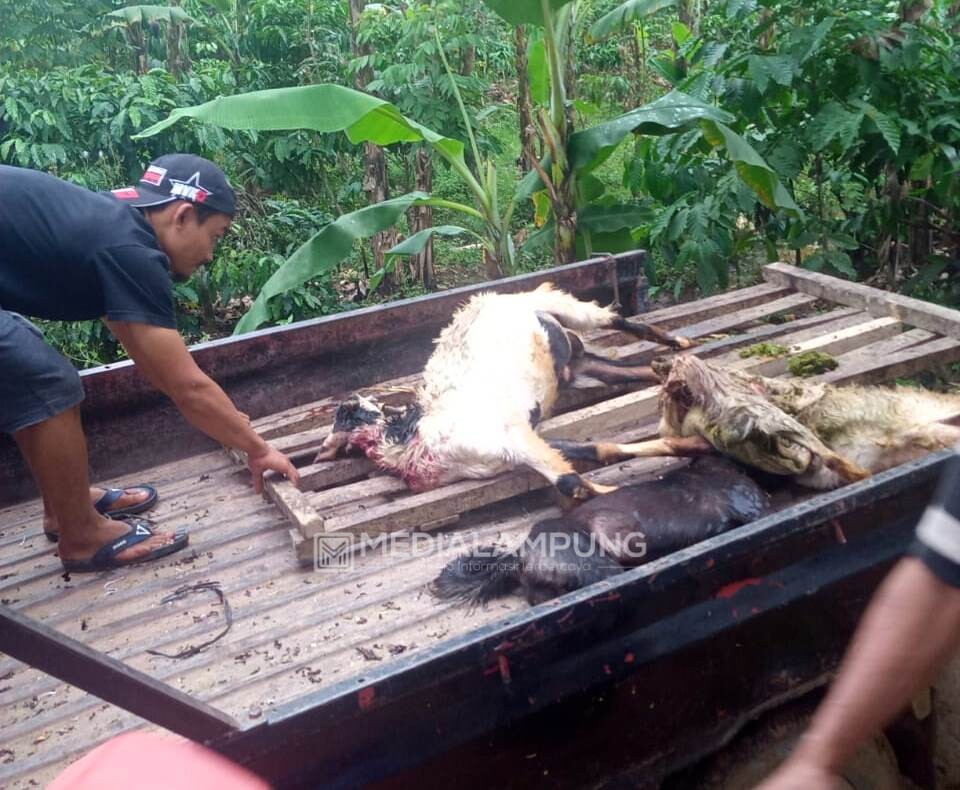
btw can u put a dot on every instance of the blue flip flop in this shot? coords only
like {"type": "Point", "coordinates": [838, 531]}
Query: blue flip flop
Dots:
{"type": "Point", "coordinates": [111, 495]}
{"type": "Point", "coordinates": [106, 557]}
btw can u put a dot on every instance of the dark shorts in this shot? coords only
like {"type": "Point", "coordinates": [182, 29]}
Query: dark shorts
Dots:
{"type": "Point", "coordinates": [36, 382]}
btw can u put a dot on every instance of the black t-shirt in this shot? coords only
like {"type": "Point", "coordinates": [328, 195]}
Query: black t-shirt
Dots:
{"type": "Point", "coordinates": [68, 254]}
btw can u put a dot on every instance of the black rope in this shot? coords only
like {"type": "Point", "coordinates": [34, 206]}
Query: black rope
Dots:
{"type": "Point", "coordinates": [182, 592]}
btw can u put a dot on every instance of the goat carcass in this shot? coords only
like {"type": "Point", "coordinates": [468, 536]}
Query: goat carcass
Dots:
{"type": "Point", "coordinates": [496, 371]}
{"type": "Point", "coordinates": [823, 435]}
{"type": "Point", "coordinates": [631, 526]}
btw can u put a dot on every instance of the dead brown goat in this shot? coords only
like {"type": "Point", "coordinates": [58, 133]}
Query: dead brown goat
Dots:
{"type": "Point", "coordinates": [822, 435]}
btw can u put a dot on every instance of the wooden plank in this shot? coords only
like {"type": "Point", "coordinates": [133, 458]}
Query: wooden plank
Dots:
{"type": "Point", "coordinates": [712, 326]}
{"type": "Point", "coordinates": [702, 309]}
{"type": "Point", "coordinates": [293, 504]}
{"type": "Point", "coordinates": [362, 489]}
{"type": "Point", "coordinates": [835, 343]}
{"type": "Point", "coordinates": [872, 356]}
{"type": "Point", "coordinates": [687, 312]}
{"type": "Point", "coordinates": [915, 312]}
{"type": "Point", "coordinates": [876, 369]}
{"type": "Point", "coordinates": [429, 506]}
{"type": "Point", "coordinates": [331, 473]}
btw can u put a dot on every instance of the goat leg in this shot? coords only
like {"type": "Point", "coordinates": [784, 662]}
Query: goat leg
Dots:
{"type": "Point", "coordinates": [609, 371]}
{"type": "Point", "coordinates": [651, 333]}
{"type": "Point", "coordinates": [536, 453]}
{"type": "Point", "coordinates": [611, 452]}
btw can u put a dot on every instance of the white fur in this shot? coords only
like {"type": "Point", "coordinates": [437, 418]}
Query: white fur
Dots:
{"type": "Point", "coordinates": [491, 368]}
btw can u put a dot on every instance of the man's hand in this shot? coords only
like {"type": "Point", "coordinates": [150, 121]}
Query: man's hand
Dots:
{"type": "Point", "coordinates": [274, 460]}
{"type": "Point", "coordinates": [798, 775]}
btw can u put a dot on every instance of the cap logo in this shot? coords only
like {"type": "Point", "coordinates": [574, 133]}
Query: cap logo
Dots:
{"type": "Point", "coordinates": [154, 175]}
{"type": "Point", "coordinates": [127, 193]}
{"type": "Point", "coordinates": [189, 189]}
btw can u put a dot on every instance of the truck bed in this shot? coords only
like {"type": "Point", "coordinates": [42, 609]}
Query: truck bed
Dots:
{"type": "Point", "coordinates": [297, 631]}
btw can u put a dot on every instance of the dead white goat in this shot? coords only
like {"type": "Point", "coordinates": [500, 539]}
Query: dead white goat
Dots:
{"type": "Point", "coordinates": [495, 373]}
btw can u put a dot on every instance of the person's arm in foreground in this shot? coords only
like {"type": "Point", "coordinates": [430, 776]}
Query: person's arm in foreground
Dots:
{"type": "Point", "coordinates": [909, 631]}
{"type": "Point", "coordinates": [163, 358]}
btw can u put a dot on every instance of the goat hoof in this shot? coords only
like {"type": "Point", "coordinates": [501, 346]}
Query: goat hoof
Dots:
{"type": "Point", "coordinates": [684, 342]}
{"type": "Point", "coordinates": [597, 488]}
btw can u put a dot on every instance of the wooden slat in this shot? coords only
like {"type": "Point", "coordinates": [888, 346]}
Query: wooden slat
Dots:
{"type": "Point", "coordinates": [835, 343]}
{"type": "Point", "coordinates": [879, 368]}
{"type": "Point", "coordinates": [872, 356]}
{"type": "Point", "coordinates": [702, 309]}
{"type": "Point", "coordinates": [721, 324]}
{"type": "Point", "coordinates": [362, 489]}
{"type": "Point", "coordinates": [428, 506]}
{"type": "Point", "coordinates": [915, 312]}
{"type": "Point", "coordinates": [293, 504]}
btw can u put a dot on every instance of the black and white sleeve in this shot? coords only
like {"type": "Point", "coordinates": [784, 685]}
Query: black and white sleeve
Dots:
{"type": "Point", "coordinates": [938, 533]}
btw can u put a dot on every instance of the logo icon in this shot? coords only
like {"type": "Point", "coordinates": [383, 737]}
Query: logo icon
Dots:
{"type": "Point", "coordinates": [154, 175]}
{"type": "Point", "coordinates": [333, 552]}
{"type": "Point", "coordinates": [189, 189]}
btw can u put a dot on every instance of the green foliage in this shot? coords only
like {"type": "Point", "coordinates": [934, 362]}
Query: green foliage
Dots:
{"type": "Point", "coordinates": [764, 350]}
{"type": "Point", "coordinates": [811, 363]}
{"type": "Point", "coordinates": [325, 250]}
{"type": "Point", "coordinates": [623, 15]}
{"type": "Point", "coordinates": [847, 106]}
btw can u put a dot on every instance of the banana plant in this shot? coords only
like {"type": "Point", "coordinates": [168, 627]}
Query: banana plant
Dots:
{"type": "Point", "coordinates": [567, 196]}
{"type": "Point", "coordinates": [363, 118]}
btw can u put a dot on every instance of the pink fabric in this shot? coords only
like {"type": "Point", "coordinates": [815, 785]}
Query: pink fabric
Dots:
{"type": "Point", "coordinates": [147, 761]}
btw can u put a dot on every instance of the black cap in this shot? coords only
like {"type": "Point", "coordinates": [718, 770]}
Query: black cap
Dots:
{"type": "Point", "coordinates": [181, 177]}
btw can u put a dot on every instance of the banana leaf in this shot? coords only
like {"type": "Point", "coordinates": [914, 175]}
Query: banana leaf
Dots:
{"type": "Point", "coordinates": [323, 108]}
{"type": "Point", "coordinates": [623, 15]}
{"type": "Point", "coordinates": [751, 167]}
{"type": "Point", "coordinates": [523, 12]}
{"type": "Point", "coordinates": [324, 250]}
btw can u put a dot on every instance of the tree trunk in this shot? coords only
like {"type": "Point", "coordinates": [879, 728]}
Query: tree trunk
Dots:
{"type": "Point", "coordinates": [178, 54]}
{"type": "Point", "coordinates": [690, 12]}
{"type": "Point", "coordinates": [375, 182]}
{"type": "Point", "coordinates": [638, 79]}
{"type": "Point", "coordinates": [912, 10]}
{"type": "Point", "coordinates": [565, 237]}
{"type": "Point", "coordinates": [953, 15]}
{"type": "Point", "coordinates": [421, 217]}
{"type": "Point", "coordinates": [528, 132]}
{"type": "Point", "coordinates": [768, 27]}
{"type": "Point", "coordinates": [137, 38]}
{"type": "Point", "coordinates": [469, 60]}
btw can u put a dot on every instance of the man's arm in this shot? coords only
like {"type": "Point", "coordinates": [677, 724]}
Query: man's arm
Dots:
{"type": "Point", "coordinates": [908, 633]}
{"type": "Point", "coordinates": [163, 358]}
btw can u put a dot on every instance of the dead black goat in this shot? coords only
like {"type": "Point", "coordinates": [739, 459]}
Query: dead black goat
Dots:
{"type": "Point", "coordinates": [633, 525]}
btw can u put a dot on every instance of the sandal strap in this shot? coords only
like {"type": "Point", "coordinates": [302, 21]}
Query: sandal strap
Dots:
{"type": "Point", "coordinates": [139, 532]}
{"type": "Point", "coordinates": [110, 495]}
